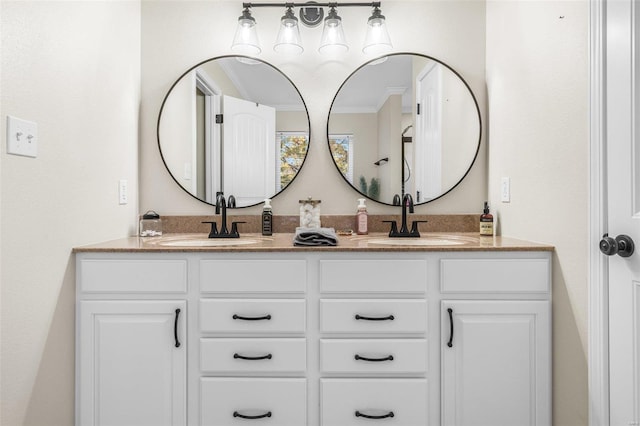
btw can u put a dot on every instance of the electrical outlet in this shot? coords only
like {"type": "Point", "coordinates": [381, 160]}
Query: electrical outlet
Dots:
{"type": "Point", "coordinates": [505, 190]}
{"type": "Point", "coordinates": [123, 195]}
{"type": "Point", "coordinates": [22, 137]}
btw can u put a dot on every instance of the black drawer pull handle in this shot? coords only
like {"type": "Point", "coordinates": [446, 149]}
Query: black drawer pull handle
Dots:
{"type": "Point", "coordinates": [259, 416]}
{"type": "Point", "coordinates": [362, 358]}
{"type": "Point", "coordinates": [252, 358]}
{"type": "Point", "coordinates": [361, 317]}
{"type": "Point", "coordinates": [238, 317]}
{"type": "Point", "coordinates": [367, 416]}
{"type": "Point", "coordinates": [450, 342]}
{"type": "Point", "coordinates": [175, 328]}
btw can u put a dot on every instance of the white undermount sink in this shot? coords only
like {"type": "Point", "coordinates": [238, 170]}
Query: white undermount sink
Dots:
{"type": "Point", "coordinates": [439, 240]}
{"type": "Point", "coordinates": [200, 241]}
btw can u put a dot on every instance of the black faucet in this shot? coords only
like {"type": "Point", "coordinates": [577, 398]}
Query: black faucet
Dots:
{"type": "Point", "coordinates": [221, 208]}
{"type": "Point", "coordinates": [407, 202]}
{"type": "Point", "coordinates": [221, 205]}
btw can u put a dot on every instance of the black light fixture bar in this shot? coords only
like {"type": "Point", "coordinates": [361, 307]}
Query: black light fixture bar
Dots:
{"type": "Point", "coordinates": [311, 4]}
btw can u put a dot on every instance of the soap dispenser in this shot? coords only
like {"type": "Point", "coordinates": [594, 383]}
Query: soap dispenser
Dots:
{"type": "Point", "coordinates": [362, 224]}
{"type": "Point", "coordinates": [267, 218]}
{"type": "Point", "coordinates": [486, 221]}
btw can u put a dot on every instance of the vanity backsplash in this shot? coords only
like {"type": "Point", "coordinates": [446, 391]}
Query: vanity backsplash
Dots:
{"type": "Point", "coordinates": [288, 224]}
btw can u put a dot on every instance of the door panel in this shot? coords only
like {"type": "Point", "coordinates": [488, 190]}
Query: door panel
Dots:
{"type": "Point", "coordinates": [130, 370]}
{"type": "Point", "coordinates": [428, 144]}
{"type": "Point", "coordinates": [623, 209]}
{"type": "Point", "coordinates": [493, 371]}
{"type": "Point", "coordinates": [249, 150]}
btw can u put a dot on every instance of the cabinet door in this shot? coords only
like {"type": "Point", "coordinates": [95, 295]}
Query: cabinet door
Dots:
{"type": "Point", "coordinates": [496, 363]}
{"type": "Point", "coordinates": [131, 363]}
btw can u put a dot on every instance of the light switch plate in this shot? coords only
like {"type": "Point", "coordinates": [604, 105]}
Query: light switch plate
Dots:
{"type": "Point", "coordinates": [22, 137]}
{"type": "Point", "coordinates": [505, 190]}
{"type": "Point", "coordinates": [123, 189]}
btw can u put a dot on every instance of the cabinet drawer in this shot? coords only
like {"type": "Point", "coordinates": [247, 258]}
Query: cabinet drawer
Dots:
{"type": "Point", "coordinates": [373, 356]}
{"type": "Point", "coordinates": [345, 402]}
{"type": "Point", "coordinates": [373, 276]}
{"type": "Point", "coordinates": [282, 402]}
{"type": "Point", "coordinates": [253, 355]}
{"type": "Point", "coordinates": [133, 276]}
{"type": "Point", "coordinates": [253, 276]}
{"type": "Point", "coordinates": [246, 316]}
{"type": "Point", "coordinates": [495, 275]}
{"type": "Point", "coordinates": [373, 316]}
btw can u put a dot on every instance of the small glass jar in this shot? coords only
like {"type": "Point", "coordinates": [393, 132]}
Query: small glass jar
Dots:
{"type": "Point", "coordinates": [310, 213]}
{"type": "Point", "coordinates": [150, 224]}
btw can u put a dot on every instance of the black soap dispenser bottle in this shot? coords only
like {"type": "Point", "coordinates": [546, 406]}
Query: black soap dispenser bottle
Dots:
{"type": "Point", "coordinates": [267, 218]}
{"type": "Point", "coordinates": [486, 222]}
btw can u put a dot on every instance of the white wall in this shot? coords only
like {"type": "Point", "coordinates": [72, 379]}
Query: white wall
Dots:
{"type": "Point", "coordinates": [389, 130]}
{"type": "Point", "coordinates": [364, 128]}
{"type": "Point", "coordinates": [64, 66]}
{"type": "Point", "coordinates": [74, 68]}
{"type": "Point", "coordinates": [178, 34]}
{"type": "Point", "coordinates": [537, 78]}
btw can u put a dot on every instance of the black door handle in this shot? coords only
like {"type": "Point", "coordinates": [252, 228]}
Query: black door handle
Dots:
{"type": "Point", "coordinates": [387, 318]}
{"type": "Point", "coordinates": [238, 317]}
{"type": "Point", "coordinates": [245, 416]}
{"type": "Point", "coordinates": [175, 328]}
{"type": "Point", "coordinates": [252, 358]}
{"type": "Point", "coordinates": [362, 358]}
{"type": "Point", "coordinates": [621, 245]}
{"type": "Point", "coordinates": [369, 416]}
{"type": "Point", "coordinates": [450, 342]}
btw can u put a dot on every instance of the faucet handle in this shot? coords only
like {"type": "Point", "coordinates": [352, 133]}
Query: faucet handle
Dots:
{"type": "Point", "coordinates": [234, 229]}
{"type": "Point", "coordinates": [414, 227]}
{"type": "Point", "coordinates": [214, 229]}
{"type": "Point", "coordinates": [394, 227]}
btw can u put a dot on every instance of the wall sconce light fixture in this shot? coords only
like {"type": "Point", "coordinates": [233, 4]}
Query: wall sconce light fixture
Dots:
{"type": "Point", "coordinates": [245, 41]}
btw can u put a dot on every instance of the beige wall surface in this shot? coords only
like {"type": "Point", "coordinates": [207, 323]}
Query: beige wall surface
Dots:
{"type": "Point", "coordinates": [87, 93]}
{"type": "Point", "coordinates": [64, 67]}
{"type": "Point", "coordinates": [363, 127]}
{"type": "Point", "coordinates": [537, 78]}
{"type": "Point", "coordinates": [178, 34]}
{"type": "Point", "coordinates": [389, 133]}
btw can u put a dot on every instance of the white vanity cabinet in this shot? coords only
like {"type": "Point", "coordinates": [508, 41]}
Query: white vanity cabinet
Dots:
{"type": "Point", "coordinates": [496, 363]}
{"type": "Point", "coordinates": [253, 345]}
{"type": "Point", "coordinates": [131, 356]}
{"type": "Point", "coordinates": [495, 345]}
{"type": "Point", "coordinates": [373, 347]}
{"type": "Point", "coordinates": [314, 338]}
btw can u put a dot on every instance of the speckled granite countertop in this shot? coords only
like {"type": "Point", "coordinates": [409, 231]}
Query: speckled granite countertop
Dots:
{"type": "Point", "coordinates": [283, 242]}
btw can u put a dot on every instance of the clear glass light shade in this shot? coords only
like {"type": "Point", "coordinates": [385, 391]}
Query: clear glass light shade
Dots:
{"type": "Point", "coordinates": [288, 40]}
{"type": "Point", "coordinates": [377, 40]}
{"type": "Point", "coordinates": [245, 41]}
{"type": "Point", "coordinates": [333, 40]}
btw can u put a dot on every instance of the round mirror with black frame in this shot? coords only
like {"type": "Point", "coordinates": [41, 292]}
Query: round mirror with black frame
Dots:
{"type": "Point", "coordinates": [405, 123]}
{"type": "Point", "coordinates": [236, 125]}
